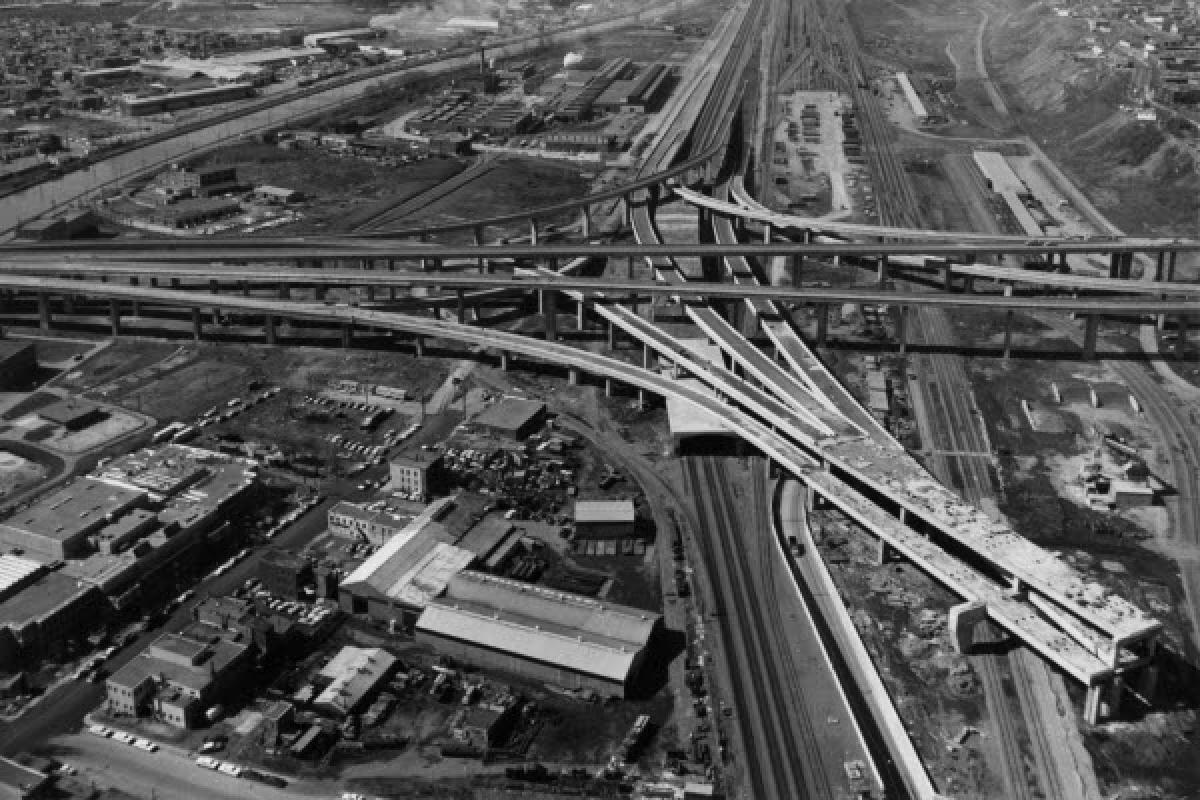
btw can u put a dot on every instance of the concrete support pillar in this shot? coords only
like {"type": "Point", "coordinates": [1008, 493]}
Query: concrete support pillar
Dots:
{"type": "Point", "coordinates": [580, 315]}
{"type": "Point", "coordinates": [320, 290]}
{"type": "Point", "coordinates": [901, 330]}
{"type": "Point", "coordinates": [174, 283]}
{"type": "Point", "coordinates": [285, 290]}
{"type": "Point", "coordinates": [212, 285]}
{"type": "Point", "coordinates": [392, 293]}
{"type": "Point", "coordinates": [883, 552]}
{"type": "Point", "coordinates": [1160, 264]}
{"type": "Point", "coordinates": [504, 361]}
{"type": "Point", "coordinates": [216, 315]}
{"type": "Point", "coordinates": [1091, 704]}
{"type": "Point", "coordinates": [881, 269]}
{"type": "Point", "coordinates": [197, 324]}
{"type": "Point", "coordinates": [1008, 319]}
{"type": "Point", "coordinates": [533, 231]}
{"type": "Point", "coordinates": [477, 235]}
{"type": "Point", "coordinates": [370, 293]}
{"type": "Point", "coordinates": [645, 356]}
{"type": "Point", "coordinates": [1181, 323]}
{"type": "Point", "coordinates": [822, 323]}
{"type": "Point", "coordinates": [962, 621]}
{"type": "Point", "coordinates": [1170, 276]}
{"type": "Point", "coordinates": [629, 271]}
{"type": "Point", "coordinates": [245, 288]}
{"type": "Point", "coordinates": [968, 284]}
{"type": "Point", "coordinates": [766, 233]}
{"type": "Point", "coordinates": [269, 332]}
{"type": "Point", "coordinates": [461, 305]}
{"type": "Point", "coordinates": [948, 277]}
{"type": "Point", "coordinates": [549, 303]}
{"type": "Point", "coordinates": [611, 332]}
{"type": "Point", "coordinates": [1116, 693]}
{"type": "Point", "coordinates": [608, 387]}
{"type": "Point", "coordinates": [419, 344]}
{"type": "Point", "coordinates": [45, 317]}
{"type": "Point", "coordinates": [585, 221]}
{"type": "Point", "coordinates": [114, 316]}
{"type": "Point", "coordinates": [641, 398]}
{"type": "Point", "coordinates": [1091, 329]}
{"type": "Point", "coordinates": [347, 334]}
{"type": "Point", "coordinates": [627, 210]}
{"type": "Point", "coordinates": [573, 376]}
{"type": "Point", "coordinates": [153, 282]}
{"type": "Point", "coordinates": [137, 307]}
{"type": "Point", "coordinates": [1114, 265]}
{"type": "Point", "coordinates": [797, 269]}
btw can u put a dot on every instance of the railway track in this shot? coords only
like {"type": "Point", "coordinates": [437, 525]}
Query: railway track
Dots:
{"type": "Point", "coordinates": [777, 742]}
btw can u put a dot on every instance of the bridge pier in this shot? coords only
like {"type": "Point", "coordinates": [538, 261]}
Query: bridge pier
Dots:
{"type": "Point", "coordinates": [216, 315]}
{"type": "Point", "coordinates": [797, 269]}
{"type": "Point", "coordinates": [585, 221]}
{"type": "Point", "coordinates": [533, 231]}
{"type": "Point", "coordinates": [608, 387]}
{"type": "Point", "coordinates": [573, 376]}
{"type": "Point", "coordinates": [461, 306]}
{"type": "Point", "coordinates": [370, 293]}
{"type": "Point", "coordinates": [881, 268]}
{"type": "Point", "coordinates": [968, 284]}
{"type": "Point", "coordinates": [822, 323]}
{"type": "Point", "coordinates": [269, 331]}
{"type": "Point", "coordinates": [948, 277]}
{"type": "Point", "coordinates": [901, 330]}
{"type": "Point", "coordinates": [174, 283]}
{"type": "Point", "coordinates": [347, 334]}
{"type": "Point", "coordinates": [45, 317]}
{"type": "Point", "coordinates": [629, 270]}
{"type": "Point", "coordinates": [245, 287]}
{"type": "Point", "coordinates": [580, 315]}
{"type": "Point", "coordinates": [212, 286]}
{"type": "Point", "coordinates": [285, 291]}
{"type": "Point", "coordinates": [504, 361]}
{"type": "Point", "coordinates": [114, 316]}
{"type": "Point", "coordinates": [611, 334]}
{"type": "Point", "coordinates": [641, 400]}
{"type": "Point", "coordinates": [766, 233]}
{"type": "Point", "coordinates": [197, 324]}
{"type": "Point", "coordinates": [1181, 323]}
{"type": "Point", "coordinates": [1170, 276]}
{"type": "Point", "coordinates": [645, 356]}
{"type": "Point", "coordinates": [419, 345]}
{"type": "Point", "coordinates": [549, 305]}
{"type": "Point", "coordinates": [627, 210]}
{"type": "Point", "coordinates": [1008, 320]}
{"type": "Point", "coordinates": [1091, 329]}
{"type": "Point", "coordinates": [962, 622]}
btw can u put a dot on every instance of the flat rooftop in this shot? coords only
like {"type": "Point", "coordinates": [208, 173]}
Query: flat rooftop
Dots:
{"type": "Point", "coordinates": [63, 513]}
{"type": "Point", "coordinates": [39, 598]}
{"type": "Point", "coordinates": [510, 413]}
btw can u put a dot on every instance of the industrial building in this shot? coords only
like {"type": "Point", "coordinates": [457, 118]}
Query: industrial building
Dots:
{"type": "Point", "coordinates": [73, 414]}
{"type": "Point", "coordinates": [43, 614]}
{"type": "Point", "coordinates": [285, 574]}
{"type": "Point", "coordinates": [512, 418]}
{"type": "Point", "coordinates": [67, 225]}
{"type": "Point", "coordinates": [178, 101]}
{"type": "Point", "coordinates": [401, 578]}
{"type": "Point", "coordinates": [177, 678]}
{"type": "Point", "coordinates": [352, 676]}
{"type": "Point", "coordinates": [417, 473]}
{"type": "Point", "coordinates": [58, 525]}
{"type": "Point", "coordinates": [18, 364]}
{"type": "Point", "coordinates": [556, 637]}
{"type": "Point", "coordinates": [605, 527]}
{"type": "Point", "coordinates": [361, 524]}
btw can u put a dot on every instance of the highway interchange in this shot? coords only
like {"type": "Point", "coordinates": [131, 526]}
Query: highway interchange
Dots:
{"type": "Point", "coordinates": [781, 742]}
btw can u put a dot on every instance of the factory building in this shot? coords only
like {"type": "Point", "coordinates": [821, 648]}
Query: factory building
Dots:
{"type": "Point", "coordinates": [556, 637]}
{"type": "Point", "coordinates": [361, 524]}
{"type": "Point", "coordinates": [177, 101]}
{"type": "Point", "coordinates": [604, 527]}
{"type": "Point", "coordinates": [177, 678]}
{"type": "Point", "coordinates": [401, 578]}
{"type": "Point", "coordinates": [417, 473]}
{"type": "Point", "coordinates": [73, 414]}
{"type": "Point", "coordinates": [351, 677]}
{"type": "Point", "coordinates": [58, 526]}
{"type": "Point", "coordinates": [512, 418]}
{"type": "Point", "coordinates": [285, 574]}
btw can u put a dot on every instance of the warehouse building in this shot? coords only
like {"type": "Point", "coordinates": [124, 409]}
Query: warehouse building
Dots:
{"type": "Point", "coordinates": [351, 677]}
{"type": "Point", "coordinates": [605, 527]}
{"type": "Point", "coordinates": [417, 473]}
{"type": "Point", "coordinates": [177, 678]}
{"type": "Point", "coordinates": [512, 417]}
{"type": "Point", "coordinates": [73, 414]}
{"type": "Point", "coordinates": [177, 101]}
{"type": "Point", "coordinates": [551, 636]}
{"type": "Point", "coordinates": [58, 526]}
{"type": "Point", "coordinates": [396, 583]}
{"type": "Point", "coordinates": [361, 524]}
{"type": "Point", "coordinates": [285, 574]}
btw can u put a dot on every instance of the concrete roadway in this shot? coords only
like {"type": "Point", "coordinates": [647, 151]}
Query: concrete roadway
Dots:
{"type": "Point", "coordinates": [1108, 304]}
